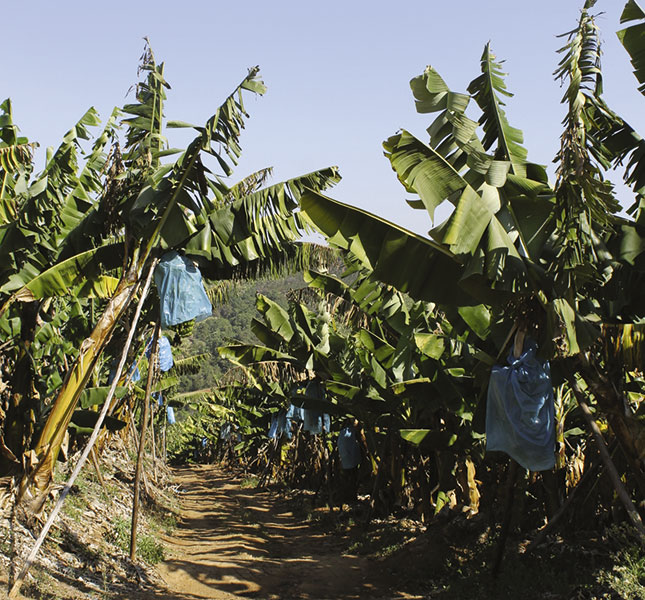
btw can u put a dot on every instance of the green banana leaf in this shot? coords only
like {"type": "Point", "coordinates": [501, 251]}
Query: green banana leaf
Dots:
{"type": "Point", "coordinates": [81, 274]}
{"type": "Point", "coordinates": [96, 396]}
{"type": "Point", "coordinates": [85, 420]}
{"type": "Point", "coordinates": [412, 264]}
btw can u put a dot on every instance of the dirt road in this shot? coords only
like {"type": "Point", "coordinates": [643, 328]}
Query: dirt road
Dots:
{"type": "Point", "coordinates": [246, 543]}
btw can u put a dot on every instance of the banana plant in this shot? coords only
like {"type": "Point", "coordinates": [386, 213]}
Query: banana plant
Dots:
{"type": "Point", "coordinates": [106, 222]}
{"type": "Point", "coordinates": [399, 367]}
{"type": "Point", "coordinates": [31, 233]}
{"type": "Point", "coordinates": [556, 258]}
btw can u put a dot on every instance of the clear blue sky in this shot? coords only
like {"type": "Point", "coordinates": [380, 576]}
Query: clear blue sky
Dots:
{"type": "Point", "coordinates": [337, 73]}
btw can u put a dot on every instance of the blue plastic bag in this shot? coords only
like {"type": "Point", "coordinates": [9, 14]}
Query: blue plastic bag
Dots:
{"type": "Point", "coordinates": [280, 425]}
{"type": "Point", "coordinates": [228, 431]}
{"type": "Point", "coordinates": [181, 291]}
{"type": "Point", "coordinates": [166, 360]}
{"type": "Point", "coordinates": [171, 415]}
{"type": "Point", "coordinates": [348, 448]}
{"type": "Point", "coordinates": [520, 414]}
{"type": "Point", "coordinates": [133, 374]}
{"type": "Point", "coordinates": [315, 421]}
{"type": "Point", "coordinates": [295, 413]}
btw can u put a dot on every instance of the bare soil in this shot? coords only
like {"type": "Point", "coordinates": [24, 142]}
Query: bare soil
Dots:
{"type": "Point", "coordinates": [233, 542]}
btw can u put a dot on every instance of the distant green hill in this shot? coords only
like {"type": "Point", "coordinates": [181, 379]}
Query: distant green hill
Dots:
{"type": "Point", "coordinates": [230, 321]}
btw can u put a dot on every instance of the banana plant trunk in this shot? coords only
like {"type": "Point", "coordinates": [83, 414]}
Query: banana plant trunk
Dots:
{"type": "Point", "coordinates": [15, 588]}
{"type": "Point", "coordinates": [41, 460]}
{"type": "Point", "coordinates": [18, 425]}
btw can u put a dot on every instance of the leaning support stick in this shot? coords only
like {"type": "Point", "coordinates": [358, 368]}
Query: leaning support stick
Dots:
{"type": "Point", "coordinates": [90, 444]}
{"type": "Point", "coordinates": [621, 492]}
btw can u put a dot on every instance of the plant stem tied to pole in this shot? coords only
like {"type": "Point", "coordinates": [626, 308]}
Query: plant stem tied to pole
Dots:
{"type": "Point", "coordinates": [13, 592]}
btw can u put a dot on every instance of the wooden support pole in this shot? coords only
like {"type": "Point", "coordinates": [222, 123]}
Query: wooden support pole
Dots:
{"type": "Point", "coordinates": [142, 443]}
{"type": "Point", "coordinates": [163, 442]}
{"type": "Point", "coordinates": [154, 449]}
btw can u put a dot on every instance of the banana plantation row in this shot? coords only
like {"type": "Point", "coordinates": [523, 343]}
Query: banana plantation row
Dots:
{"type": "Point", "coordinates": [520, 316]}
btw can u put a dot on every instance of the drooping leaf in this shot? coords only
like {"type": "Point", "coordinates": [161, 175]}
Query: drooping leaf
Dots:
{"type": "Point", "coordinates": [632, 39]}
{"type": "Point", "coordinates": [85, 420]}
{"type": "Point", "coordinates": [96, 396]}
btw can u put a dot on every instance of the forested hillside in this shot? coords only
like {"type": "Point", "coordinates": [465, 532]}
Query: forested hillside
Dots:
{"type": "Point", "coordinates": [230, 321]}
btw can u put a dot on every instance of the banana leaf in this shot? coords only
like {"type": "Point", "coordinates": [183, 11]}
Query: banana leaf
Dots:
{"type": "Point", "coordinates": [85, 420]}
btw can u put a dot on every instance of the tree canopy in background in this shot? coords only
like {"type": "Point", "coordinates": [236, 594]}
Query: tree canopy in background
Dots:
{"type": "Point", "coordinates": [231, 320]}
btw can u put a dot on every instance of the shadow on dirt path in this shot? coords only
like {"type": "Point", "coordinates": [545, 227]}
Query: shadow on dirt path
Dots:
{"type": "Point", "coordinates": [246, 543]}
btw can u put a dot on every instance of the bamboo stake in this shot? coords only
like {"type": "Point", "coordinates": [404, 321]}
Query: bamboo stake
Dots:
{"type": "Point", "coordinates": [621, 492]}
{"type": "Point", "coordinates": [142, 443]}
{"type": "Point", "coordinates": [95, 462]}
{"type": "Point", "coordinates": [154, 449]}
{"type": "Point", "coordinates": [13, 592]}
{"type": "Point", "coordinates": [131, 434]}
{"type": "Point", "coordinates": [163, 437]}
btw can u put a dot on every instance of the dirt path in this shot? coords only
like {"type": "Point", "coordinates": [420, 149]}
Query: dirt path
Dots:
{"type": "Point", "coordinates": [246, 543]}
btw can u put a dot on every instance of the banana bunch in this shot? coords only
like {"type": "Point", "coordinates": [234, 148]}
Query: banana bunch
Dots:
{"type": "Point", "coordinates": [184, 329]}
